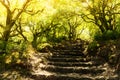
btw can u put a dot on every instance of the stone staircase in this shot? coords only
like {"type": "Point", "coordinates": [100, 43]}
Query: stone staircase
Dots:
{"type": "Point", "coordinates": [69, 63]}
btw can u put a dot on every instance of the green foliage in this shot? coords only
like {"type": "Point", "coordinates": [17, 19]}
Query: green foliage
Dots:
{"type": "Point", "coordinates": [1, 45]}
{"type": "Point", "coordinates": [60, 39]}
{"type": "Point", "coordinates": [102, 13]}
{"type": "Point", "coordinates": [93, 45]}
{"type": "Point", "coordinates": [108, 35]}
{"type": "Point", "coordinates": [2, 57]}
{"type": "Point", "coordinates": [12, 46]}
{"type": "Point", "coordinates": [92, 48]}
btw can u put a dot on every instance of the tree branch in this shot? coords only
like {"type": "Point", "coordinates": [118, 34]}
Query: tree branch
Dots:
{"type": "Point", "coordinates": [20, 31]}
{"type": "Point", "coordinates": [22, 10]}
{"type": "Point", "coordinates": [6, 6]}
{"type": "Point", "coordinates": [31, 12]}
{"type": "Point", "coordinates": [8, 2]}
{"type": "Point", "coordinates": [2, 26]}
{"type": "Point", "coordinates": [90, 19]}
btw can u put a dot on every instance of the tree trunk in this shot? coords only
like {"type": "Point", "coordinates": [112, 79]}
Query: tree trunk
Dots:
{"type": "Point", "coordinates": [34, 42]}
{"type": "Point", "coordinates": [6, 34]}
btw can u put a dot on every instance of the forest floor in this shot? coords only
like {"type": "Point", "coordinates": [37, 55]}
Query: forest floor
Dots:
{"type": "Point", "coordinates": [24, 70]}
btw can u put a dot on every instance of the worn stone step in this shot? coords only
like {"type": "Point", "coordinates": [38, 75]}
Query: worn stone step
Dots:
{"type": "Point", "coordinates": [69, 50]}
{"type": "Point", "coordinates": [54, 77]}
{"type": "Point", "coordinates": [69, 64]}
{"type": "Point", "coordinates": [80, 70]}
{"type": "Point", "coordinates": [66, 56]}
{"type": "Point", "coordinates": [68, 53]}
{"type": "Point", "coordinates": [68, 47]}
{"type": "Point", "coordinates": [72, 76]}
{"type": "Point", "coordinates": [59, 59]}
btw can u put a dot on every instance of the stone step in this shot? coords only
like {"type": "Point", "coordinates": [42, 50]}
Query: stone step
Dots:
{"type": "Point", "coordinates": [68, 47]}
{"type": "Point", "coordinates": [66, 56]}
{"type": "Point", "coordinates": [54, 77]}
{"type": "Point", "coordinates": [69, 54]}
{"type": "Point", "coordinates": [80, 70]}
{"type": "Point", "coordinates": [69, 64]}
{"type": "Point", "coordinates": [72, 76]}
{"type": "Point", "coordinates": [69, 59]}
{"type": "Point", "coordinates": [69, 50]}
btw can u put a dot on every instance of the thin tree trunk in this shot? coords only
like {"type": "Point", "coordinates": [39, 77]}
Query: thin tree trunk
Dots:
{"type": "Point", "coordinates": [34, 42]}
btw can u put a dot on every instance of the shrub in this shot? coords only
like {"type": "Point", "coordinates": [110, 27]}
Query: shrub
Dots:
{"type": "Point", "coordinates": [1, 45]}
{"type": "Point", "coordinates": [108, 35]}
{"type": "Point", "coordinates": [92, 48]}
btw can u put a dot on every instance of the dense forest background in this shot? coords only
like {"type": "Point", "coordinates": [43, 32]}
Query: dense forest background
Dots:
{"type": "Point", "coordinates": [32, 24]}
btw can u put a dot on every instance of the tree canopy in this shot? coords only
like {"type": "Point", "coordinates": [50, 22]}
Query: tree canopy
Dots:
{"type": "Point", "coordinates": [37, 21]}
{"type": "Point", "coordinates": [38, 30]}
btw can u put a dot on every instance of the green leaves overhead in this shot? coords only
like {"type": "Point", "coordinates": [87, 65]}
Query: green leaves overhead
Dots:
{"type": "Point", "coordinates": [62, 17]}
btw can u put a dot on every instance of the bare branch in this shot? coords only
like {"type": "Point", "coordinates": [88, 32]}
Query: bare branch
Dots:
{"type": "Point", "coordinates": [89, 19]}
{"type": "Point", "coordinates": [6, 6]}
{"type": "Point", "coordinates": [14, 10]}
{"type": "Point", "coordinates": [31, 12]}
{"type": "Point", "coordinates": [20, 31]}
{"type": "Point", "coordinates": [22, 10]}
